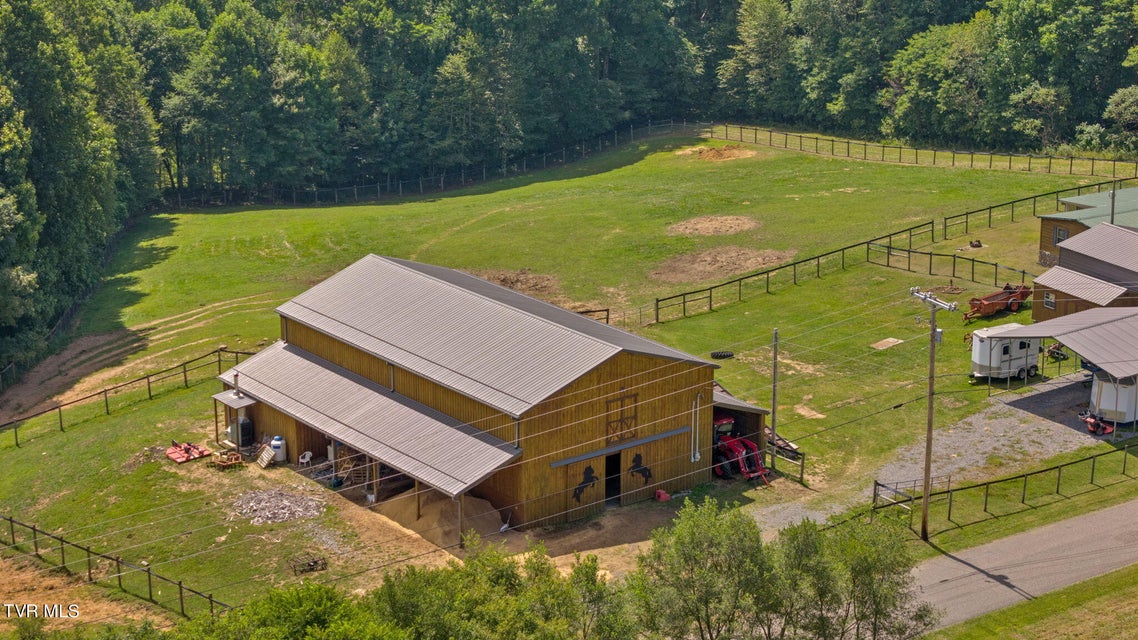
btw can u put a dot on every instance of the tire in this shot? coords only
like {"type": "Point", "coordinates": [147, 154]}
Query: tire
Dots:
{"type": "Point", "coordinates": [722, 355]}
{"type": "Point", "coordinates": [1022, 374]}
{"type": "Point", "coordinates": [1032, 371]}
{"type": "Point", "coordinates": [1014, 305]}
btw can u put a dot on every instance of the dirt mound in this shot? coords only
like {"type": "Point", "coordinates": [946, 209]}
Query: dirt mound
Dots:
{"type": "Point", "coordinates": [721, 262]}
{"type": "Point", "coordinates": [538, 285]}
{"type": "Point", "coordinates": [439, 521]}
{"type": "Point", "coordinates": [712, 226]}
{"type": "Point", "coordinates": [718, 154]}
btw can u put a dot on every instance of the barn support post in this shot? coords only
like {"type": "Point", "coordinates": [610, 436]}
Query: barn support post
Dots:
{"type": "Point", "coordinates": [418, 501]}
{"type": "Point", "coordinates": [460, 543]}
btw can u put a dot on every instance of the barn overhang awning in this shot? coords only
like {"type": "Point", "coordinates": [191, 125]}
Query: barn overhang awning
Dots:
{"type": "Point", "coordinates": [1108, 337]}
{"type": "Point", "coordinates": [427, 445]}
{"type": "Point", "coordinates": [723, 399]}
{"type": "Point", "coordinates": [234, 399]}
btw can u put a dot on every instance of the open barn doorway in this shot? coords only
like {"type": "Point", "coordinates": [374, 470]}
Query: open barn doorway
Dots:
{"type": "Point", "coordinates": [612, 479]}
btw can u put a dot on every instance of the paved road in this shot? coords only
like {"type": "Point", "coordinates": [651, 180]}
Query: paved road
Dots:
{"type": "Point", "coordinates": [1005, 572]}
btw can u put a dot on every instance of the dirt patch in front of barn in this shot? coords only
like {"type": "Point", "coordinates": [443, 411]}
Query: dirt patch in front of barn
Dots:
{"type": "Point", "coordinates": [712, 226]}
{"type": "Point", "coordinates": [720, 262]}
{"type": "Point", "coordinates": [718, 154]}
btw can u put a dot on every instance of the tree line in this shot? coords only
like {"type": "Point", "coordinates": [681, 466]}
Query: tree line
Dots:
{"type": "Point", "coordinates": [107, 104]}
{"type": "Point", "coordinates": [708, 577]}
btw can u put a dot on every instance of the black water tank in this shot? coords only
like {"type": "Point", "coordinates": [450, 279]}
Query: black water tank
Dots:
{"type": "Point", "coordinates": [244, 431]}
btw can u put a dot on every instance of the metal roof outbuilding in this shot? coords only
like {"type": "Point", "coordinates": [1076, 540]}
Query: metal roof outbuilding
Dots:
{"type": "Point", "coordinates": [1108, 337]}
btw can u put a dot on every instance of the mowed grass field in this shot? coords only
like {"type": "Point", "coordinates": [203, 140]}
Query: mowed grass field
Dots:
{"type": "Point", "coordinates": [182, 283]}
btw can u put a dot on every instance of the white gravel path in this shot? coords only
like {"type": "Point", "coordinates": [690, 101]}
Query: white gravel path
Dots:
{"type": "Point", "coordinates": [1015, 430]}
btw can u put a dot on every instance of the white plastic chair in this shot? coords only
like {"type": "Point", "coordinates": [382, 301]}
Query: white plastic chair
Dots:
{"type": "Point", "coordinates": [305, 459]}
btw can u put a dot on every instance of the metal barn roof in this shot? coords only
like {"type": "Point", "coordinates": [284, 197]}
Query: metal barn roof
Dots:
{"type": "Point", "coordinates": [415, 439]}
{"type": "Point", "coordinates": [1107, 337]}
{"type": "Point", "coordinates": [502, 348]}
{"type": "Point", "coordinates": [723, 398]}
{"type": "Point", "coordinates": [1106, 242]}
{"type": "Point", "coordinates": [1080, 285]}
{"type": "Point", "coordinates": [1094, 208]}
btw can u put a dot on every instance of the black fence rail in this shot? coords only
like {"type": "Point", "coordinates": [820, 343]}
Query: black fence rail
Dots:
{"type": "Point", "coordinates": [130, 392]}
{"type": "Point", "coordinates": [954, 507]}
{"type": "Point", "coordinates": [964, 223]}
{"type": "Point", "coordinates": [436, 182]}
{"type": "Point", "coordinates": [859, 150]}
{"type": "Point", "coordinates": [697, 301]}
{"type": "Point", "coordinates": [943, 264]}
{"type": "Point", "coordinates": [95, 567]}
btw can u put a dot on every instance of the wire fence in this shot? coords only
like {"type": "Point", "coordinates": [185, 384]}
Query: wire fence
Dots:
{"type": "Point", "coordinates": [443, 180]}
{"type": "Point", "coordinates": [120, 395]}
{"type": "Point", "coordinates": [697, 301]}
{"type": "Point", "coordinates": [1005, 212]}
{"type": "Point", "coordinates": [955, 507]}
{"type": "Point", "coordinates": [944, 264]}
{"type": "Point", "coordinates": [860, 150]}
{"type": "Point", "coordinates": [135, 579]}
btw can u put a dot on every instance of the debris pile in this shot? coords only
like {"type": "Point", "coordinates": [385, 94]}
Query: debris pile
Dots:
{"type": "Point", "coordinates": [275, 505]}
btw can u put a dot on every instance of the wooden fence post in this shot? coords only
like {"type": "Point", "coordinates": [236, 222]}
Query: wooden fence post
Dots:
{"type": "Point", "coordinates": [59, 411]}
{"type": "Point", "coordinates": [987, 486]}
{"type": "Point", "coordinates": [107, 401]}
{"type": "Point", "coordinates": [185, 376]}
{"type": "Point", "coordinates": [149, 392]}
{"type": "Point", "coordinates": [35, 539]}
{"type": "Point", "coordinates": [182, 599]}
{"type": "Point", "coordinates": [149, 584]}
{"type": "Point", "coordinates": [63, 555]}
{"type": "Point", "coordinates": [89, 577]}
{"type": "Point", "coordinates": [12, 530]}
{"type": "Point", "coordinates": [118, 570]}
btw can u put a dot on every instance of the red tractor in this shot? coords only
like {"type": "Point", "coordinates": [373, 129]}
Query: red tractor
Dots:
{"type": "Point", "coordinates": [733, 454]}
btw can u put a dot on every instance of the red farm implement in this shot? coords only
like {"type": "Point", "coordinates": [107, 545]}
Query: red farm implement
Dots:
{"type": "Point", "coordinates": [1010, 298]}
{"type": "Point", "coordinates": [733, 454]}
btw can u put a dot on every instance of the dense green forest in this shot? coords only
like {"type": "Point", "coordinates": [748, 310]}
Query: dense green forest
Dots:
{"type": "Point", "coordinates": [106, 105]}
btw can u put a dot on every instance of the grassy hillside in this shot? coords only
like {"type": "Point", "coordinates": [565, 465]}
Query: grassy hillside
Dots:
{"type": "Point", "coordinates": [593, 234]}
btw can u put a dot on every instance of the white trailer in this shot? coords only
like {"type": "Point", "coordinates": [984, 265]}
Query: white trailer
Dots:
{"type": "Point", "coordinates": [996, 357]}
{"type": "Point", "coordinates": [1114, 399]}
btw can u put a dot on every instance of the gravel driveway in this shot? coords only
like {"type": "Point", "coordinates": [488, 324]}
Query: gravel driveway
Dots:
{"type": "Point", "coordinates": [1014, 431]}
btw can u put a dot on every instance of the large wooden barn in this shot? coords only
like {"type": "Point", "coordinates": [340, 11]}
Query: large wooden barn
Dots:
{"type": "Point", "coordinates": [467, 387]}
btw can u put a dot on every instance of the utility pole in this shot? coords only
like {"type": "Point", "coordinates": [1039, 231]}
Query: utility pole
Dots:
{"type": "Point", "coordinates": [934, 305]}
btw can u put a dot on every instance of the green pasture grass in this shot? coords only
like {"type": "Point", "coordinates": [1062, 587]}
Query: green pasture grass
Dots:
{"type": "Point", "coordinates": [181, 283]}
{"type": "Point", "coordinates": [98, 486]}
{"type": "Point", "coordinates": [600, 227]}
{"type": "Point", "coordinates": [1101, 608]}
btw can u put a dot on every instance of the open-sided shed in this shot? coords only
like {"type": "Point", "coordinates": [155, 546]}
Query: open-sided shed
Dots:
{"type": "Point", "coordinates": [1108, 338]}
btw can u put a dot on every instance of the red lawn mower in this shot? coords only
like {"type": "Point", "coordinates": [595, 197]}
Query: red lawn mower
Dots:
{"type": "Point", "coordinates": [1095, 424]}
{"type": "Point", "coordinates": [733, 454]}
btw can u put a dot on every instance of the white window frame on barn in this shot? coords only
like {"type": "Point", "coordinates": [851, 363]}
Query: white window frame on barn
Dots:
{"type": "Point", "coordinates": [1049, 299]}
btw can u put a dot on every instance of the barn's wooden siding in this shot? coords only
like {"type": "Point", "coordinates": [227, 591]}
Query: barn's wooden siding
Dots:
{"type": "Point", "coordinates": [268, 422]}
{"type": "Point", "coordinates": [1048, 251]}
{"type": "Point", "coordinates": [1066, 304]}
{"type": "Point", "coordinates": [651, 395]}
{"type": "Point", "coordinates": [585, 418]}
{"type": "Point", "coordinates": [332, 350]}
